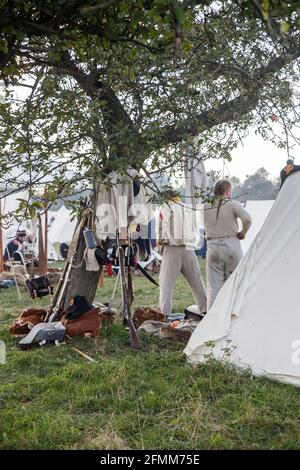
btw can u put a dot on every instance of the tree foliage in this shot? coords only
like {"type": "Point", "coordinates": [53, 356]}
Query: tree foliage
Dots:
{"type": "Point", "coordinates": [94, 86]}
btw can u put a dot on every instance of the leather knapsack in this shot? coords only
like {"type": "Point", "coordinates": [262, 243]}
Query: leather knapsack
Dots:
{"type": "Point", "coordinates": [28, 317]}
{"type": "Point", "coordinates": [87, 324]}
{"type": "Point", "coordinates": [39, 287]}
{"type": "Point", "coordinates": [142, 314]}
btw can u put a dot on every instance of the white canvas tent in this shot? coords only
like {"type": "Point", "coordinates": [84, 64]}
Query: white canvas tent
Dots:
{"type": "Point", "coordinates": [62, 227]}
{"type": "Point", "coordinates": [11, 201]}
{"type": "Point", "coordinates": [10, 204]}
{"type": "Point", "coordinates": [255, 320]}
{"type": "Point", "coordinates": [259, 211]}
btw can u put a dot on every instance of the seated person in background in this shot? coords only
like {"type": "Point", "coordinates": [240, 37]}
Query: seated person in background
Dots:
{"type": "Point", "coordinates": [63, 248]}
{"type": "Point", "coordinates": [223, 236]}
{"type": "Point", "coordinates": [14, 248]}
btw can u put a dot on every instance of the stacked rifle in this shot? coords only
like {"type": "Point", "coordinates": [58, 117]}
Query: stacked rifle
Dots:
{"type": "Point", "coordinates": [127, 294]}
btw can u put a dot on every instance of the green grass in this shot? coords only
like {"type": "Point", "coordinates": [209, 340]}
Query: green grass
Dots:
{"type": "Point", "coordinates": [52, 398]}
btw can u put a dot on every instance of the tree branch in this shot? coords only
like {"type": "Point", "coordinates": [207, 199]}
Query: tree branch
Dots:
{"type": "Point", "coordinates": [230, 111]}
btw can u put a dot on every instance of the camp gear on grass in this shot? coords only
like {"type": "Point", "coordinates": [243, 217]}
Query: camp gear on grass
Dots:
{"type": "Point", "coordinates": [39, 287]}
{"type": "Point", "coordinates": [77, 307]}
{"type": "Point", "coordinates": [134, 337]}
{"type": "Point", "coordinates": [174, 333]}
{"type": "Point", "coordinates": [178, 330]}
{"type": "Point", "coordinates": [144, 313]}
{"type": "Point", "coordinates": [87, 324]}
{"type": "Point", "coordinates": [26, 320]}
{"type": "Point", "coordinates": [43, 333]}
{"type": "Point", "coordinates": [36, 335]}
{"type": "Point", "coordinates": [192, 313]}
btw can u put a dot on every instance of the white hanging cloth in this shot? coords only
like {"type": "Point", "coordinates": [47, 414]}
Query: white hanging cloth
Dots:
{"type": "Point", "coordinates": [196, 178]}
{"type": "Point", "coordinates": [117, 207]}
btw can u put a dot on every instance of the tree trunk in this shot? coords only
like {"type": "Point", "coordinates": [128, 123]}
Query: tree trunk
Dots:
{"type": "Point", "coordinates": [81, 282]}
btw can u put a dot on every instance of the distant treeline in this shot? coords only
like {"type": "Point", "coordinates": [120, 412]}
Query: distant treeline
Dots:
{"type": "Point", "coordinates": [258, 186]}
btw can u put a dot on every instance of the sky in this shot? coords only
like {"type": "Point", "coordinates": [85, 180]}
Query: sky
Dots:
{"type": "Point", "coordinates": [254, 154]}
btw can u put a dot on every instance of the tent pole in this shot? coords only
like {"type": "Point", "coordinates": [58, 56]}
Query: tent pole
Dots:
{"type": "Point", "coordinates": [1, 240]}
{"type": "Point", "coordinates": [42, 260]}
{"type": "Point", "coordinates": [31, 268]}
{"type": "Point", "coordinates": [46, 230]}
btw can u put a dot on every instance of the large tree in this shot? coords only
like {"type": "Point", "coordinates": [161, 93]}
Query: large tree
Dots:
{"type": "Point", "coordinates": [133, 82]}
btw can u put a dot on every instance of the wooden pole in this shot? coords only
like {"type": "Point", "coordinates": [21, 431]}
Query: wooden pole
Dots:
{"type": "Point", "coordinates": [33, 230]}
{"type": "Point", "coordinates": [46, 230]}
{"type": "Point", "coordinates": [1, 240]}
{"type": "Point", "coordinates": [42, 257]}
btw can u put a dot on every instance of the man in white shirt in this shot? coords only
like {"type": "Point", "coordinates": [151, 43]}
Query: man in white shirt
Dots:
{"type": "Point", "coordinates": [178, 234]}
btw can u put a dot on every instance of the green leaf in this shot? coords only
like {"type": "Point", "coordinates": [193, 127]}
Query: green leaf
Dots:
{"type": "Point", "coordinates": [284, 27]}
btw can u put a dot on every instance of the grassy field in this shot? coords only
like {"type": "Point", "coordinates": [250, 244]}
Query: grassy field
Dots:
{"type": "Point", "coordinates": [52, 398]}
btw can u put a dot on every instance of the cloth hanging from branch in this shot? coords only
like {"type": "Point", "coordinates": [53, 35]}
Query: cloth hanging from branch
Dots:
{"type": "Point", "coordinates": [196, 179]}
{"type": "Point", "coordinates": [120, 202]}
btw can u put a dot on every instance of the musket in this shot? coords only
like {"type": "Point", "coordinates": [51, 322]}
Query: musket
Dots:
{"type": "Point", "coordinates": [134, 337]}
{"type": "Point", "coordinates": [129, 278]}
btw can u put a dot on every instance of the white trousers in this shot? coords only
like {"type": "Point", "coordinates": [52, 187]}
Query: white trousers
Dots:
{"type": "Point", "coordinates": [223, 256]}
{"type": "Point", "coordinates": [176, 260]}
